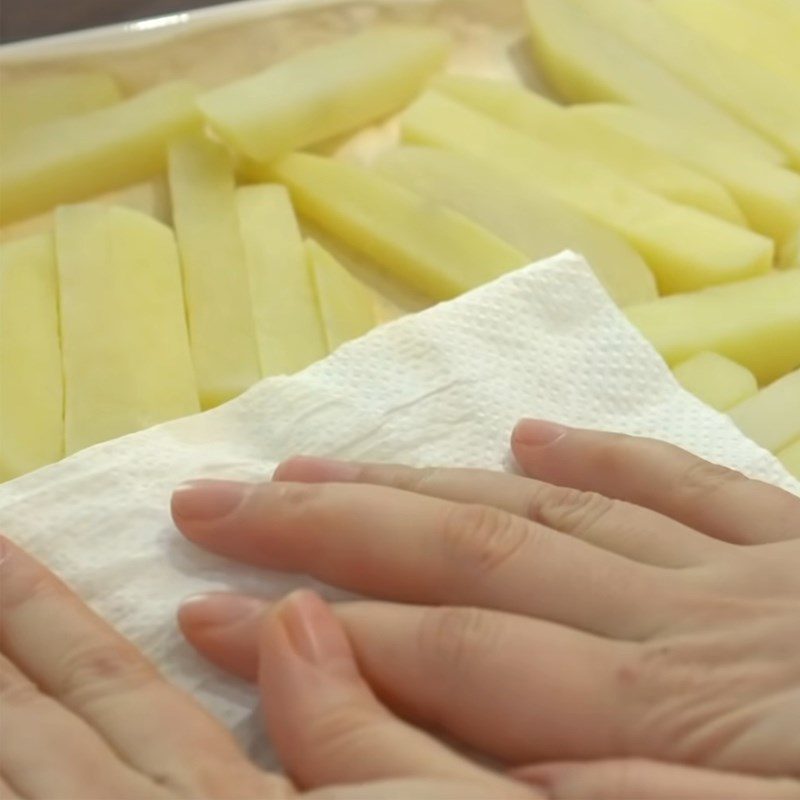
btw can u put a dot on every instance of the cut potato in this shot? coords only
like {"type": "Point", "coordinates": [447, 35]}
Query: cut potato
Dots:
{"type": "Point", "coordinates": [33, 101]}
{"type": "Point", "coordinates": [790, 458]}
{"type": "Point", "coordinates": [537, 224]}
{"type": "Point", "coordinates": [685, 248]}
{"type": "Point", "coordinates": [745, 90]}
{"type": "Point", "coordinates": [287, 320]}
{"type": "Point", "coordinates": [218, 300]}
{"type": "Point", "coordinates": [424, 244]}
{"type": "Point", "coordinates": [586, 62]}
{"type": "Point", "coordinates": [755, 323]}
{"type": "Point", "coordinates": [345, 304]}
{"type": "Point", "coordinates": [772, 417]}
{"type": "Point", "coordinates": [123, 329]}
{"type": "Point", "coordinates": [769, 195]}
{"type": "Point", "coordinates": [325, 91]}
{"type": "Point", "coordinates": [716, 380]}
{"type": "Point", "coordinates": [749, 30]}
{"type": "Point", "coordinates": [649, 167]}
{"type": "Point", "coordinates": [31, 383]}
{"type": "Point", "coordinates": [75, 158]}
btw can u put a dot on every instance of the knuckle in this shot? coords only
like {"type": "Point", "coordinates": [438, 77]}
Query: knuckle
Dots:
{"type": "Point", "coordinates": [99, 671]}
{"type": "Point", "coordinates": [702, 478]}
{"type": "Point", "coordinates": [408, 479]}
{"type": "Point", "coordinates": [571, 510]}
{"type": "Point", "coordinates": [452, 638]}
{"type": "Point", "coordinates": [343, 729]}
{"type": "Point", "coordinates": [482, 537]}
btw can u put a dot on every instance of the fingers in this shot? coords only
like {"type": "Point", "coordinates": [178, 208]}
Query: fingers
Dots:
{"type": "Point", "coordinates": [515, 688]}
{"type": "Point", "coordinates": [714, 500]}
{"type": "Point", "coordinates": [81, 662]}
{"type": "Point", "coordinates": [79, 762]}
{"type": "Point", "coordinates": [403, 546]}
{"type": "Point", "coordinates": [322, 717]}
{"type": "Point", "coordinates": [629, 530]}
{"type": "Point", "coordinates": [636, 779]}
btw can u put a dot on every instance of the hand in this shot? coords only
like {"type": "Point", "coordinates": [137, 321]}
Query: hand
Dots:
{"type": "Point", "coordinates": [626, 600]}
{"type": "Point", "coordinates": [85, 716]}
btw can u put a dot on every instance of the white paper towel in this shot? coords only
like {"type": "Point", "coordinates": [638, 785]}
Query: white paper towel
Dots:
{"type": "Point", "coordinates": [444, 387]}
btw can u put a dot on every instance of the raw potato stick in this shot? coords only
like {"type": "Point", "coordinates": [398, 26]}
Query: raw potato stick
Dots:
{"type": "Point", "coordinates": [325, 91]}
{"type": "Point", "coordinates": [345, 303]}
{"type": "Point", "coordinates": [685, 248]}
{"type": "Point", "coordinates": [716, 380]}
{"type": "Point", "coordinates": [586, 62]}
{"type": "Point", "coordinates": [537, 224]}
{"type": "Point", "coordinates": [772, 417]}
{"type": "Point", "coordinates": [123, 329]}
{"type": "Point", "coordinates": [433, 249]}
{"type": "Point", "coordinates": [755, 323]}
{"type": "Point", "coordinates": [31, 394]}
{"type": "Point", "coordinates": [545, 120]}
{"type": "Point", "coordinates": [287, 320]}
{"type": "Point", "coordinates": [78, 157]}
{"type": "Point", "coordinates": [745, 90]}
{"type": "Point", "coordinates": [218, 299]}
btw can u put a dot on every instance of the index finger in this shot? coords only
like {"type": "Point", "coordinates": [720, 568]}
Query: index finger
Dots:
{"type": "Point", "coordinates": [709, 498]}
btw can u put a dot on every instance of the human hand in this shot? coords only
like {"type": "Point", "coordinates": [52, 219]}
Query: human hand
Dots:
{"type": "Point", "coordinates": [85, 716]}
{"type": "Point", "coordinates": [665, 624]}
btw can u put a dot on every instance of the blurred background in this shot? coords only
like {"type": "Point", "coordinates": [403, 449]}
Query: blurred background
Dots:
{"type": "Point", "coordinates": [26, 19]}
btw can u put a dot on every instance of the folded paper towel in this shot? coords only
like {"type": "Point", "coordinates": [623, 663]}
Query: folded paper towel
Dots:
{"type": "Point", "coordinates": [443, 387]}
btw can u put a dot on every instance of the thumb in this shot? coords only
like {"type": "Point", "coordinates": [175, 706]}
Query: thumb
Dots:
{"type": "Point", "coordinates": [639, 779]}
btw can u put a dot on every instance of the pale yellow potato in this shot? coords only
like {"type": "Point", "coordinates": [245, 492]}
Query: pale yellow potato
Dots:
{"type": "Point", "coordinates": [537, 224]}
{"type": "Point", "coordinates": [78, 157]}
{"type": "Point", "coordinates": [716, 380]}
{"type": "Point", "coordinates": [126, 356]}
{"type": "Point", "coordinates": [215, 275]}
{"type": "Point", "coordinates": [685, 248]}
{"type": "Point", "coordinates": [287, 320]}
{"type": "Point", "coordinates": [31, 393]}
{"type": "Point", "coordinates": [345, 304]}
{"type": "Point", "coordinates": [26, 102]}
{"type": "Point", "coordinates": [772, 417]}
{"type": "Point", "coordinates": [325, 91]}
{"type": "Point", "coordinates": [768, 194]}
{"type": "Point", "coordinates": [790, 458]}
{"type": "Point", "coordinates": [748, 29]}
{"type": "Point", "coordinates": [745, 90]}
{"type": "Point", "coordinates": [428, 246]}
{"type": "Point", "coordinates": [755, 323]}
{"type": "Point", "coordinates": [537, 116]}
{"type": "Point", "coordinates": [586, 62]}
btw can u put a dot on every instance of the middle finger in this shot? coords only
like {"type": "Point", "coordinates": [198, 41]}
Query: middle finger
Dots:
{"type": "Point", "coordinates": [402, 546]}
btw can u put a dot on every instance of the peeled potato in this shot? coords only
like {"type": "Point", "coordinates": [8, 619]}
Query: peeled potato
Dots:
{"type": "Point", "coordinates": [772, 417]}
{"type": "Point", "coordinates": [755, 323]}
{"type": "Point", "coordinates": [535, 223]}
{"type": "Point", "coordinates": [218, 300]}
{"type": "Point", "coordinates": [430, 247]}
{"type": "Point", "coordinates": [716, 380]}
{"type": "Point", "coordinates": [287, 320]}
{"type": "Point", "coordinates": [647, 166]}
{"type": "Point", "coordinates": [746, 91]}
{"type": "Point", "coordinates": [44, 98]}
{"type": "Point", "coordinates": [345, 304]}
{"type": "Point", "coordinates": [325, 91]}
{"type": "Point", "coordinates": [685, 248]}
{"type": "Point", "coordinates": [790, 458]}
{"type": "Point", "coordinates": [31, 383]}
{"type": "Point", "coordinates": [769, 195]}
{"type": "Point", "coordinates": [586, 62]}
{"type": "Point", "coordinates": [78, 157]}
{"type": "Point", "coordinates": [123, 329]}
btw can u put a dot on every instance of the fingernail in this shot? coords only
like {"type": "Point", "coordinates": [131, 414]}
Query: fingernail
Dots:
{"type": "Point", "coordinates": [310, 469]}
{"type": "Point", "coordinates": [538, 433]}
{"type": "Point", "coordinates": [220, 609]}
{"type": "Point", "coordinates": [208, 500]}
{"type": "Point", "coordinates": [313, 632]}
